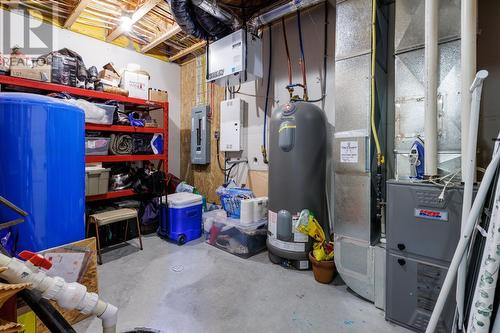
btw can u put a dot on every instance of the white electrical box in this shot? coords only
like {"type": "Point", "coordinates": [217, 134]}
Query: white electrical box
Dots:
{"type": "Point", "coordinates": [235, 59]}
{"type": "Point", "coordinates": [231, 124]}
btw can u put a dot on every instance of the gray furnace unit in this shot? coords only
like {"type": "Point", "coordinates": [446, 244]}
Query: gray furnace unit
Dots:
{"type": "Point", "coordinates": [297, 176]}
{"type": "Point", "coordinates": [423, 230]}
{"type": "Point", "coordinates": [200, 135]}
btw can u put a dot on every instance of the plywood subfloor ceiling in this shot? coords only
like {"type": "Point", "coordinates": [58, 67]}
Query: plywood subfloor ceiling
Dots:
{"type": "Point", "coordinates": [154, 31]}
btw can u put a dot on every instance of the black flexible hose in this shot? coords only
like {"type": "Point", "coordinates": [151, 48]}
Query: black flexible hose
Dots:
{"type": "Point", "coordinates": [325, 52]}
{"type": "Point", "coordinates": [266, 102]}
{"type": "Point", "coordinates": [285, 39]}
{"type": "Point", "coordinates": [302, 56]}
{"type": "Point", "coordinates": [207, 73]}
{"type": "Point", "coordinates": [49, 316]}
{"type": "Point", "coordinates": [224, 169]}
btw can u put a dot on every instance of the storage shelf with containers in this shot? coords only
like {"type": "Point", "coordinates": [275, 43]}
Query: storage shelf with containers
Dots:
{"type": "Point", "coordinates": [98, 146]}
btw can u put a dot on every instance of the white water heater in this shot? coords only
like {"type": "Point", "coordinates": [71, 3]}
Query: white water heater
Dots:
{"type": "Point", "coordinates": [235, 59]}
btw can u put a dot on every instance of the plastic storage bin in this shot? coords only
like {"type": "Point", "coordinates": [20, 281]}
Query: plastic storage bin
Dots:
{"type": "Point", "coordinates": [96, 180]}
{"type": "Point", "coordinates": [230, 235]}
{"type": "Point", "coordinates": [103, 114]}
{"type": "Point", "coordinates": [231, 199]}
{"type": "Point", "coordinates": [96, 146]}
{"type": "Point", "coordinates": [182, 221]}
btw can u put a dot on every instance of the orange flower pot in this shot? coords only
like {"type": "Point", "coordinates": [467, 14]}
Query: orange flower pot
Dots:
{"type": "Point", "coordinates": [324, 271]}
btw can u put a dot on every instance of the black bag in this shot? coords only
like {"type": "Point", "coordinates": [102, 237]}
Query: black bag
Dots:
{"type": "Point", "coordinates": [150, 182]}
{"type": "Point", "coordinates": [141, 144]}
{"type": "Point", "coordinates": [149, 212]}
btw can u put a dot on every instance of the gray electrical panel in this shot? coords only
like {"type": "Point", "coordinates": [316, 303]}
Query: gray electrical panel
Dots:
{"type": "Point", "coordinates": [200, 135]}
{"type": "Point", "coordinates": [422, 233]}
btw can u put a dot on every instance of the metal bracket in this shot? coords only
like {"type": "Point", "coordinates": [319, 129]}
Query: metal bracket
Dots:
{"type": "Point", "coordinates": [13, 207]}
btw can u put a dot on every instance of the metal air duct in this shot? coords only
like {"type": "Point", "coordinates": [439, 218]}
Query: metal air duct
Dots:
{"type": "Point", "coordinates": [280, 11]}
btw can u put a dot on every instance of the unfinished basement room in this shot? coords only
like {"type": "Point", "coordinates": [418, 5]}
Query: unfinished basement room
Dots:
{"type": "Point", "coordinates": [249, 166]}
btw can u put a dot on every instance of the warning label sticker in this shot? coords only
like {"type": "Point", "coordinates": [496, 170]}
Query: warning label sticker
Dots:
{"type": "Point", "coordinates": [349, 152]}
{"type": "Point", "coordinates": [272, 223]}
{"type": "Point", "coordinates": [294, 247]}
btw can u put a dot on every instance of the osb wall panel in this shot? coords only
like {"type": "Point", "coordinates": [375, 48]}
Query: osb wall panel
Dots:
{"type": "Point", "coordinates": [257, 181]}
{"type": "Point", "coordinates": [206, 178]}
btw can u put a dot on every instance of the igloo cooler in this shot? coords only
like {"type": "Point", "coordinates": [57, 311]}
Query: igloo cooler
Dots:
{"type": "Point", "coordinates": [181, 218]}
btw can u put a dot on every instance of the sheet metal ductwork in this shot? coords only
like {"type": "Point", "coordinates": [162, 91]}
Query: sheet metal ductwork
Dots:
{"type": "Point", "coordinates": [195, 21]}
{"type": "Point", "coordinates": [410, 88]}
{"type": "Point", "coordinates": [275, 13]}
{"type": "Point", "coordinates": [359, 258]}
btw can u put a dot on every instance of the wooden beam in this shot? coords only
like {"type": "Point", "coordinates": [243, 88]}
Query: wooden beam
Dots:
{"type": "Point", "coordinates": [186, 51]}
{"type": "Point", "coordinates": [169, 33]}
{"type": "Point", "coordinates": [138, 14]}
{"type": "Point", "coordinates": [12, 4]}
{"type": "Point", "coordinates": [76, 13]}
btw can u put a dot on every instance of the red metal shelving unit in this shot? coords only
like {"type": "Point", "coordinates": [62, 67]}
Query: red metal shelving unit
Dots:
{"type": "Point", "coordinates": [123, 158]}
{"type": "Point", "coordinates": [118, 128]}
{"type": "Point", "coordinates": [15, 83]}
{"type": "Point", "coordinates": [52, 87]}
{"type": "Point", "coordinates": [111, 195]}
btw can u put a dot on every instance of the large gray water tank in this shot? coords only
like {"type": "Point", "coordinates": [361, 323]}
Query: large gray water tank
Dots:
{"type": "Point", "coordinates": [297, 177]}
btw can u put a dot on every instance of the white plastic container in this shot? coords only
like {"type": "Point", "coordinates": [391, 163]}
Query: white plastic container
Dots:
{"type": "Point", "coordinates": [96, 180]}
{"type": "Point", "coordinates": [101, 114]}
{"type": "Point", "coordinates": [253, 210]}
{"type": "Point", "coordinates": [96, 146]}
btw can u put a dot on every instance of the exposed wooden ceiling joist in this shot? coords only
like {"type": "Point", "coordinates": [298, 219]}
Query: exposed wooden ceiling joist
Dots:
{"type": "Point", "coordinates": [143, 10]}
{"type": "Point", "coordinates": [12, 4]}
{"type": "Point", "coordinates": [154, 29]}
{"type": "Point", "coordinates": [186, 51]}
{"type": "Point", "coordinates": [169, 33]}
{"type": "Point", "coordinates": [76, 13]}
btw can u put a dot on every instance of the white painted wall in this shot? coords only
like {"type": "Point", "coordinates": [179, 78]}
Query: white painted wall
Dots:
{"type": "Point", "coordinates": [165, 76]}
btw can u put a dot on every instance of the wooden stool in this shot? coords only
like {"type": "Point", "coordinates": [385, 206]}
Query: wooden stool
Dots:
{"type": "Point", "coordinates": [110, 217]}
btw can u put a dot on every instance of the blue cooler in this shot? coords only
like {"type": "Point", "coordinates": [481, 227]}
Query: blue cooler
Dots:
{"type": "Point", "coordinates": [182, 221]}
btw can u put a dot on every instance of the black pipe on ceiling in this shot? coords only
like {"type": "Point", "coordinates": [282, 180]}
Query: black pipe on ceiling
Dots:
{"type": "Point", "coordinates": [198, 23]}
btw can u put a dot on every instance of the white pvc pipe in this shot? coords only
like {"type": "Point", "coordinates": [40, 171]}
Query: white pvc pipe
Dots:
{"type": "Point", "coordinates": [464, 240]}
{"type": "Point", "coordinates": [71, 296]}
{"type": "Point", "coordinates": [468, 28]}
{"type": "Point", "coordinates": [431, 78]}
{"type": "Point", "coordinates": [469, 176]}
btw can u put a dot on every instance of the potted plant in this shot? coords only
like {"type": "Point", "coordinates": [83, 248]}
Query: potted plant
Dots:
{"type": "Point", "coordinates": [321, 257]}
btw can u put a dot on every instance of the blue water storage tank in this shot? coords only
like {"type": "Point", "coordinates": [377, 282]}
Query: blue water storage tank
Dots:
{"type": "Point", "coordinates": [42, 169]}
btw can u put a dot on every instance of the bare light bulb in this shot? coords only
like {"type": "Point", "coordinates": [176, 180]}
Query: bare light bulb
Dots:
{"type": "Point", "coordinates": [126, 23]}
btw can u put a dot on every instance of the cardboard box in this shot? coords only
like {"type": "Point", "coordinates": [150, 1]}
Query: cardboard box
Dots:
{"type": "Point", "coordinates": [136, 83]}
{"type": "Point", "coordinates": [64, 69]}
{"type": "Point", "coordinates": [109, 77]}
{"type": "Point", "coordinates": [31, 69]}
{"type": "Point", "coordinates": [158, 95]}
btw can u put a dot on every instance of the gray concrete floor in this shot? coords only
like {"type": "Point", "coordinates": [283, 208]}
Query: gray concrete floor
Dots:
{"type": "Point", "coordinates": [198, 288]}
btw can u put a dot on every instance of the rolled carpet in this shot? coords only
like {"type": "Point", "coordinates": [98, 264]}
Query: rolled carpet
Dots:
{"type": "Point", "coordinates": [121, 144]}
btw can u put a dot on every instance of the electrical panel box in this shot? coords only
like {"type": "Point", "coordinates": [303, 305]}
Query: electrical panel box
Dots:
{"type": "Point", "coordinates": [200, 135]}
{"type": "Point", "coordinates": [231, 124]}
{"type": "Point", "coordinates": [235, 59]}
